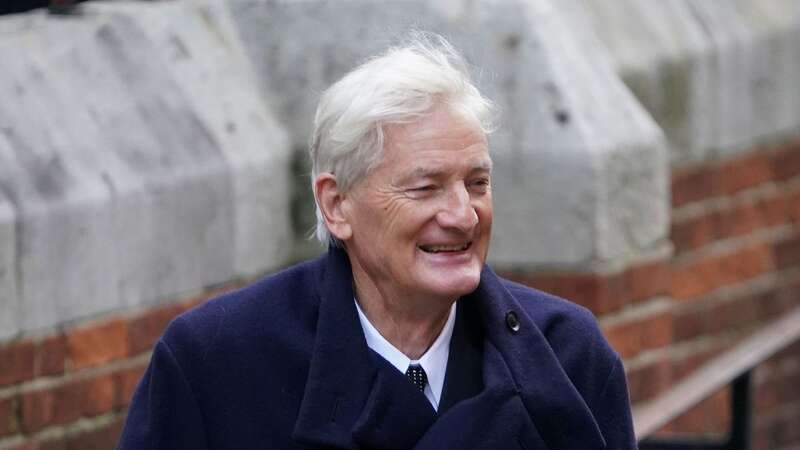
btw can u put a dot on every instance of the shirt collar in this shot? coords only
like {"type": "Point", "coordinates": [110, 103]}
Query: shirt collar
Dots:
{"type": "Point", "coordinates": [433, 361]}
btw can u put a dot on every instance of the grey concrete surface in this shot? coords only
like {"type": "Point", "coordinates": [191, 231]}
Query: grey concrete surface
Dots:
{"type": "Point", "coordinates": [566, 115]}
{"type": "Point", "coordinates": [718, 77]}
{"type": "Point", "coordinates": [138, 157]}
{"type": "Point", "coordinates": [8, 281]}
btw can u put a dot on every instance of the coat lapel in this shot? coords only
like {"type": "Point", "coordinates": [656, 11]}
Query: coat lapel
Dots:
{"type": "Point", "coordinates": [353, 398]}
{"type": "Point", "coordinates": [464, 375]}
{"type": "Point", "coordinates": [396, 414]}
{"type": "Point", "coordinates": [559, 415]}
{"type": "Point", "coordinates": [495, 418]}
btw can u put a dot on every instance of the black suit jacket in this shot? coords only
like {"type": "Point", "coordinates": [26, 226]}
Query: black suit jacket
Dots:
{"type": "Point", "coordinates": [284, 364]}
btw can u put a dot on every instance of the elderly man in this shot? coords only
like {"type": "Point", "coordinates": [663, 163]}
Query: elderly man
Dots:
{"type": "Point", "coordinates": [400, 336]}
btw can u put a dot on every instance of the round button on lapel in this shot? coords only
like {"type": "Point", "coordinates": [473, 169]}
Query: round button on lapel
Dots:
{"type": "Point", "coordinates": [512, 321]}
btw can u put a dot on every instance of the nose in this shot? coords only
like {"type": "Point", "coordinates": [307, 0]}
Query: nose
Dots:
{"type": "Point", "coordinates": [457, 211]}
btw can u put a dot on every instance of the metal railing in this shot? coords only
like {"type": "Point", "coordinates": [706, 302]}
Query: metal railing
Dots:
{"type": "Point", "coordinates": [733, 367]}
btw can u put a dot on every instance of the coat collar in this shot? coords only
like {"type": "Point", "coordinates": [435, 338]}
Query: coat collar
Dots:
{"type": "Point", "coordinates": [551, 400]}
{"type": "Point", "coordinates": [355, 399]}
{"type": "Point", "coordinates": [351, 393]}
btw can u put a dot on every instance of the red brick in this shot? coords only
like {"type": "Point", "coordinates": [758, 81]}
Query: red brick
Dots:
{"type": "Point", "coordinates": [690, 323]}
{"type": "Point", "coordinates": [775, 209]}
{"type": "Point", "coordinates": [766, 398]}
{"type": "Point", "coordinates": [648, 381]}
{"type": "Point", "coordinates": [602, 293]}
{"type": "Point", "coordinates": [629, 338]}
{"type": "Point", "coordinates": [746, 171]}
{"type": "Point", "coordinates": [720, 317]}
{"type": "Point", "coordinates": [748, 216]}
{"type": "Point", "coordinates": [694, 184]}
{"type": "Point", "coordinates": [787, 252]}
{"type": "Point", "coordinates": [736, 314]}
{"type": "Point", "coordinates": [8, 416]}
{"type": "Point", "coordinates": [693, 233]}
{"type": "Point", "coordinates": [126, 382]}
{"type": "Point", "coordinates": [599, 293]}
{"type": "Point", "coordinates": [657, 330]}
{"type": "Point", "coordinates": [648, 280]}
{"type": "Point", "coordinates": [760, 441]}
{"type": "Point", "coordinates": [99, 395]}
{"type": "Point", "coordinates": [103, 438]}
{"type": "Point", "coordinates": [779, 301]}
{"type": "Point", "coordinates": [623, 338]}
{"type": "Point", "coordinates": [786, 161]}
{"type": "Point", "coordinates": [701, 276]}
{"type": "Point", "coordinates": [690, 280]}
{"type": "Point", "coordinates": [686, 365]}
{"type": "Point", "coordinates": [779, 430]}
{"type": "Point", "coordinates": [740, 220]}
{"type": "Point", "coordinates": [54, 406]}
{"type": "Point", "coordinates": [779, 390]}
{"type": "Point", "coordinates": [51, 354]}
{"type": "Point", "coordinates": [793, 206]}
{"type": "Point", "coordinates": [54, 444]}
{"type": "Point", "coordinates": [145, 330]}
{"type": "Point", "coordinates": [709, 416]}
{"type": "Point", "coordinates": [16, 362]}
{"type": "Point", "coordinates": [37, 410]}
{"type": "Point", "coordinates": [97, 344]}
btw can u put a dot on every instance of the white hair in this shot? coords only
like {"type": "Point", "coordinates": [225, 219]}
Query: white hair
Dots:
{"type": "Point", "coordinates": [399, 86]}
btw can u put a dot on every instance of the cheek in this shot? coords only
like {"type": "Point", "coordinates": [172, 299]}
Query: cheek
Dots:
{"type": "Point", "coordinates": [402, 217]}
{"type": "Point", "coordinates": [485, 213]}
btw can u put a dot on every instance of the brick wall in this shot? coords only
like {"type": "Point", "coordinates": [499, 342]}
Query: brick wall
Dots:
{"type": "Point", "coordinates": [735, 229]}
{"type": "Point", "coordinates": [736, 232]}
{"type": "Point", "coordinates": [735, 266]}
{"type": "Point", "coordinates": [69, 389]}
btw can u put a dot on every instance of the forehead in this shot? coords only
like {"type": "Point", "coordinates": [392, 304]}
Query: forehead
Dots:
{"type": "Point", "coordinates": [439, 140]}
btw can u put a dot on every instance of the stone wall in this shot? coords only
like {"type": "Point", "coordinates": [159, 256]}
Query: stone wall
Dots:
{"type": "Point", "coordinates": [648, 167]}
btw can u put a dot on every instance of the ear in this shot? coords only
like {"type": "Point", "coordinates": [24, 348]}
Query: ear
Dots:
{"type": "Point", "coordinates": [330, 200]}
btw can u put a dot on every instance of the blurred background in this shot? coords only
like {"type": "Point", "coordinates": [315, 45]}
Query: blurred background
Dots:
{"type": "Point", "coordinates": [153, 154]}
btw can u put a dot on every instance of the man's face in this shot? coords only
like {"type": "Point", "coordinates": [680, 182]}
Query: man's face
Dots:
{"type": "Point", "coordinates": [421, 221]}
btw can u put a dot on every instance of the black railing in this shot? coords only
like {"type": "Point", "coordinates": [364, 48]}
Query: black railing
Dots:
{"type": "Point", "coordinates": [734, 367]}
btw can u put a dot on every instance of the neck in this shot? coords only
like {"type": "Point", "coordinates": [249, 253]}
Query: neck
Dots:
{"type": "Point", "coordinates": [410, 324]}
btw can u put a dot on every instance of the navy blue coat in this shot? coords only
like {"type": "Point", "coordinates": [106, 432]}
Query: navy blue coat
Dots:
{"type": "Point", "coordinates": [284, 364]}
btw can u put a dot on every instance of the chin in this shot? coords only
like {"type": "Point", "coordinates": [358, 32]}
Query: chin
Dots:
{"type": "Point", "coordinates": [456, 285]}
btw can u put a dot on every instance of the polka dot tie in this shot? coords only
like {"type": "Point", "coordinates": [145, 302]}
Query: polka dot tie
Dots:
{"type": "Point", "coordinates": [417, 375]}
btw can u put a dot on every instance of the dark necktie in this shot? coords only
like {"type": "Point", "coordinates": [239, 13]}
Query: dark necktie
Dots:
{"type": "Point", "coordinates": [417, 375]}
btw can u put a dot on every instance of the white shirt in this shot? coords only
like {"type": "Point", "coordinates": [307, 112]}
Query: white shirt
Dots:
{"type": "Point", "coordinates": [434, 361]}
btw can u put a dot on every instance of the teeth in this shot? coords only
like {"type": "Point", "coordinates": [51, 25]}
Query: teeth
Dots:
{"type": "Point", "coordinates": [444, 248]}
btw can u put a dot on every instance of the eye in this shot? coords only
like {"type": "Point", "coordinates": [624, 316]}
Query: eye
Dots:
{"type": "Point", "coordinates": [426, 188]}
{"type": "Point", "coordinates": [422, 191]}
{"type": "Point", "coordinates": [481, 184]}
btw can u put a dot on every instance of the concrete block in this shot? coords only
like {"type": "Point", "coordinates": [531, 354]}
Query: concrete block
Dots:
{"type": "Point", "coordinates": [582, 168]}
{"type": "Point", "coordinates": [774, 29]}
{"type": "Point", "coordinates": [138, 154]}
{"type": "Point", "coordinates": [209, 64]}
{"type": "Point", "coordinates": [9, 308]}
{"type": "Point", "coordinates": [567, 116]}
{"type": "Point", "coordinates": [664, 57]}
{"type": "Point", "coordinates": [718, 77]}
{"type": "Point", "coordinates": [299, 48]}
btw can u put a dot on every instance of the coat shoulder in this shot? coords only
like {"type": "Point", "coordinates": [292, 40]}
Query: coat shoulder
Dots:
{"type": "Point", "coordinates": [571, 330]}
{"type": "Point", "coordinates": [554, 315]}
{"type": "Point", "coordinates": [593, 367]}
{"type": "Point", "coordinates": [278, 308]}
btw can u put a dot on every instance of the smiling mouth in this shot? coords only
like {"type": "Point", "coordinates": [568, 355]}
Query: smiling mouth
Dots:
{"type": "Point", "coordinates": [454, 248]}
